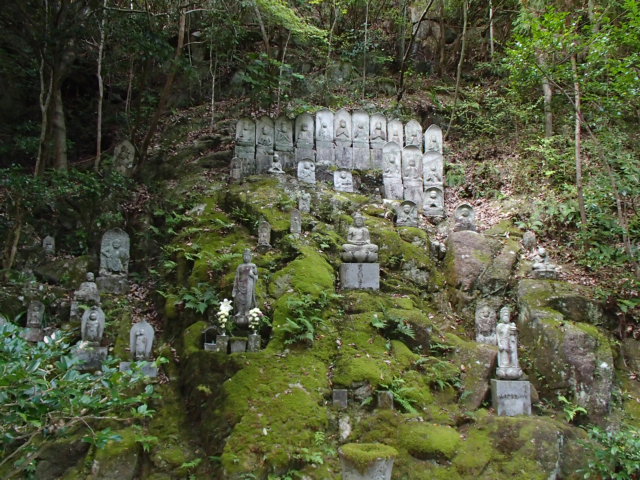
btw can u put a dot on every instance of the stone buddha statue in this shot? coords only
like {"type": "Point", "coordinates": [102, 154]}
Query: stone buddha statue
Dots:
{"type": "Point", "coordinates": [359, 248]}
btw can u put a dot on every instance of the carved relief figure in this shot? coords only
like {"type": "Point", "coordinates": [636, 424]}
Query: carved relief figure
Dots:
{"type": "Point", "coordinates": [465, 218]}
{"type": "Point", "coordinates": [114, 253]}
{"type": "Point", "coordinates": [141, 339]}
{"type": "Point", "coordinates": [486, 325]}
{"type": "Point", "coordinates": [276, 166]}
{"type": "Point", "coordinates": [407, 214]}
{"type": "Point", "coordinates": [342, 132]}
{"type": "Point", "coordinates": [245, 132]}
{"type": "Point", "coordinates": [92, 325]}
{"type": "Point", "coordinates": [307, 171]}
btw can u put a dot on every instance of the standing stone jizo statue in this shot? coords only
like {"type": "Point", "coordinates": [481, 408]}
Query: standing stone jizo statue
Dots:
{"type": "Point", "coordinates": [244, 289]}
{"type": "Point", "coordinates": [507, 339]}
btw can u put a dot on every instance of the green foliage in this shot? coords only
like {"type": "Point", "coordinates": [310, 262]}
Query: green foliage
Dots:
{"type": "Point", "coordinates": [199, 298]}
{"type": "Point", "coordinates": [400, 394]}
{"type": "Point", "coordinates": [44, 396]}
{"type": "Point", "coordinates": [283, 15]}
{"type": "Point", "coordinates": [306, 317]}
{"type": "Point", "coordinates": [48, 201]}
{"type": "Point", "coordinates": [613, 454]}
{"type": "Point", "coordinates": [392, 327]}
{"type": "Point", "coordinates": [571, 410]}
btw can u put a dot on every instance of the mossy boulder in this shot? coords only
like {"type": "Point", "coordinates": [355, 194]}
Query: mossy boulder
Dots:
{"type": "Point", "coordinates": [497, 277]}
{"type": "Point", "coordinates": [69, 272]}
{"type": "Point", "coordinates": [57, 458]}
{"type": "Point", "coordinates": [427, 441]}
{"type": "Point", "coordinates": [530, 448]}
{"type": "Point", "coordinates": [118, 460]}
{"type": "Point", "coordinates": [469, 254]}
{"type": "Point", "coordinates": [478, 364]}
{"type": "Point", "coordinates": [566, 357]}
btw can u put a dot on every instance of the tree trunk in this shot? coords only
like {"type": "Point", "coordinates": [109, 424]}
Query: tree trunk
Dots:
{"type": "Point", "coordinates": [364, 52]}
{"type": "Point", "coordinates": [13, 239]}
{"type": "Point", "coordinates": [96, 163]}
{"type": "Point", "coordinates": [166, 90]}
{"type": "Point", "coordinates": [284, 53]}
{"type": "Point", "coordinates": [491, 30]}
{"type": "Point", "coordinates": [59, 131]}
{"type": "Point", "coordinates": [465, 11]}
{"type": "Point", "coordinates": [46, 89]}
{"type": "Point", "coordinates": [407, 52]}
{"type": "Point", "coordinates": [578, 142]}
{"type": "Point", "coordinates": [441, 41]}
{"type": "Point", "coordinates": [547, 93]}
{"type": "Point", "coordinates": [263, 30]}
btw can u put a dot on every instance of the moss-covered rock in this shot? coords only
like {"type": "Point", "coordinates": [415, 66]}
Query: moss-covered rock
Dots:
{"type": "Point", "coordinates": [567, 357]}
{"type": "Point", "coordinates": [57, 458]}
{"type": "Point", "coordinates": [478, 363]}
{"type": "Point", "coordinates": [118, 460]}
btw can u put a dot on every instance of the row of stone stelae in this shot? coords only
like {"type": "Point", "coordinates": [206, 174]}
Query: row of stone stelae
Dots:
{"type": "Point", "coordinates": [342, 128]}
{"type": "Point", "coordinates": [86, 310]}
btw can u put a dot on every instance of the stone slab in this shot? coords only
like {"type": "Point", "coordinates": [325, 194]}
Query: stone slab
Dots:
{"type": "Point", "coordinates": [253, 342]}
{"type": "Point", "coordinates": [344, 156]}
{"type": "Point", "coordinates": [361, 157]}
{"type": "Point", "coordinates": [511, 397]}
{"type": "Point", "coordinates": [147, 370]}
{"type": "Point", "coordinates": [113, 284]}
{"type": "Point", "coordinates": [238, 346]}
{"type": "Point", "coordinates": [385, 400]}
{"type": "Point", "coordinates": [325, 154]}
{"type": "Point", "coordinates": [305, 154]}
{"type": "Point", "coordinates": [360, 276]}
{"type": "Point", "coordinates": [377, 161]}
{"type": "Point", "coordinates": [287, 159]}
{"type": "Point", "coordinates": [340, 397]}
{"type": "Point", "coordinates": [263, 162]}
{"type": "Point", "coordinates": [91, 358]}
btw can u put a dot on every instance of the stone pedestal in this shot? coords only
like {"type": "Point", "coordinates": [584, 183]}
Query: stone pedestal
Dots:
{"type": "Point", "coordinates": [377, 161]}
{"type": "Point", "coordinates": [91, 358]}
{"type": "Point", "coordinates": [221, 344]}
{"type": "Point", "coordinates": [253, 342]}
{"type": "Point", "coordinates": [367, 461]}
{"type": "Point", "coordinates": [344, 156]}
{"type": "Point", "coordinates": [117, 284]}
{"type": "Point", "coordinates": [263, 162]}
{"type": "Point", "coordinates": [361, 157]}
{"type": "Point", "coordinates": [360, 276]}
{"type": "Point", "coordinates": [393, 188]}
{"type": "Point", "coordinates": [32, 334]}
{"type": "Point", "coordinates": [287, 159]}
{"type": "Point", "coordinates": [340, 397]}
{"type": "Point", "coordinates": [511, 397]}
{"type": "Point", "coordinates": [325, 153]}
{"type": "Point", "coordinates": [148, 369]}
{"type": "Point", "coordinates": [545, 274]}
{"type": "Point", "coordinates": [305, 153]}
{"type": "Point", "coordinates": [238, 345]}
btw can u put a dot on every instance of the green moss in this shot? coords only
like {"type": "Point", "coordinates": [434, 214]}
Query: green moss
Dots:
{"type": "Point", "coordinates": [428, 441]}
{"type": "Point", "coordinates": [114, 448]}
{"type": "Point", "coordinates": [192, 338]}
{"type": "Point", "coordinates": [504, 228]}
{"type": "Point", "coordinates": [309, 273]}
{"type": "Point", "coordinates": [474, 453]}
{"type": "Point", "coordinates": [363, 455]}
